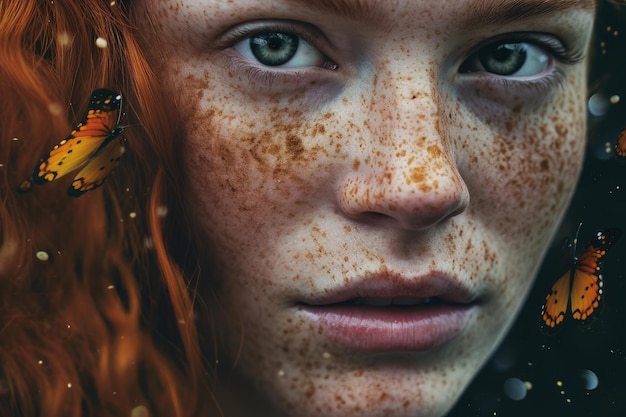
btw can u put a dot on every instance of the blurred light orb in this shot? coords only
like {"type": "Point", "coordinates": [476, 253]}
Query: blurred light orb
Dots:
{"type": "Point", "coordinates": [590, 379]}
{"type": "Point", "coordinates": [55, 108]}
{"type": "Point", "coordinates": [101, 43]}
{"type": "Point", "coordinates": [515, 389]}
{"type": "Point", "coordinates": [598, 105]}
{"type": "Point", "coordinates": [42, 255]}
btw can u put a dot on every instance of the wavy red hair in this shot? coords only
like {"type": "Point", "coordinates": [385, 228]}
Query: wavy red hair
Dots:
{"type": "Point", "coordinates": [106, 324]}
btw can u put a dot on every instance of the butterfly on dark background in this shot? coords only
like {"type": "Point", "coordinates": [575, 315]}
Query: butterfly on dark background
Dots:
{"type": "Point", "coordinates": [578, 292]}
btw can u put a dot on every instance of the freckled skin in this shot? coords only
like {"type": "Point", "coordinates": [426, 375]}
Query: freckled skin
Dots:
{"type": "Point", "coordinates": [393, 161]}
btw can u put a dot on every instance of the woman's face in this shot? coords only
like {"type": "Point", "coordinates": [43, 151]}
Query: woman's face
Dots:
{"type": "Point", "coordinates": [375, 183]}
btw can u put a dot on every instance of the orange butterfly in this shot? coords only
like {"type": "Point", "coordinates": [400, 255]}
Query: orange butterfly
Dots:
{"type": "Point", "coordinates": [94, 144]}
{"type": "Point", "coordinates": [580, 288]}
{"type": "Point", "coordinates": [620, 146]}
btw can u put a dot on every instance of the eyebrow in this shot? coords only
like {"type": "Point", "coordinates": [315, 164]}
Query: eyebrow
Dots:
{"type": "Point", "coordinates": [492, 12]}
{"type": "Point", "coordinates": [481, 13]}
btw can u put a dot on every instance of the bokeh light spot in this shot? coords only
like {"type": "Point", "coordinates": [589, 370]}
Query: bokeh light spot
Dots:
{"type": "Point", "coordinates": [515, 389]}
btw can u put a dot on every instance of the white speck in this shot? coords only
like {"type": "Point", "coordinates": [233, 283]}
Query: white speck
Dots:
{"type": "Point", "coordinates": [326, 355]}
{"type": "Point", "coordinates": [15, 138]}
{"type": "Point", "coordinates": [132, 215]}
{"type": "Point", "coordinates": [161, 211]}
{"type": "Point", "coordinates": [40, 362]}
{"type": "Point", "coordinates": [140, 411]}
{"type": "Point", "coordinates": [148, 243]}
{"type": "Point", "coordinates": [281, 373]}
{"type": "Point", "coordinates": [101, 43]}
{"type": "Point", "coordinates": [64, 38]}
{"type": "Point", "coordinates": [111, 287]}
{"type": "Point", "coordinates": [42, 255]}
{"type": "Point", "coordinates": [614, 99]}
{"type": "Point", "coordinates": [69, 385]}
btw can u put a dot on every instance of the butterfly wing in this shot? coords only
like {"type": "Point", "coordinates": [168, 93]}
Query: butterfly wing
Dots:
{"type": "Point", "coordinates": [97, 170]}
{"type": "Point", "coordinates": [555, 307]}
{"type": "Point", "coordinates": [587, 283]}
{"type": "Point", "coordinates": [620, 146]}
{"type": "Point", "coordinates": [87, 138]}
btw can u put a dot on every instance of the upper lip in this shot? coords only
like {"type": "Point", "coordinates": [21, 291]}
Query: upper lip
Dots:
{"type": "Point", "coordinates": [434, 285]}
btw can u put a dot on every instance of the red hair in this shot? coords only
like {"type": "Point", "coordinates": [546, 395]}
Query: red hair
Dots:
{"type": "Point", "coordinates": [105, 324]}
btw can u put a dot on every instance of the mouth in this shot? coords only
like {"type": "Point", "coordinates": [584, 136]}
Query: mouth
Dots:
{"type": "Point", "coordinates": [395, 301]}
{"type": "Point", "coordinates": [389, 313]}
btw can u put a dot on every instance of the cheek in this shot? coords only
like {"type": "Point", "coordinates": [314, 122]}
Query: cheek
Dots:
{"type": "Point", "coordinates": [253, 164]}
{"type": "Point", "coordinates": [521, 179]}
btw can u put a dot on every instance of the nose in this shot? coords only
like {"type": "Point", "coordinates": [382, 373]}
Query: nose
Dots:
{"type": "Point", "coordinates": [406, 176]}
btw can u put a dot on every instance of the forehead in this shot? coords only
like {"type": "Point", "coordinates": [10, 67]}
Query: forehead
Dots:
{"type": "Point", "coordinates": [477, 11]}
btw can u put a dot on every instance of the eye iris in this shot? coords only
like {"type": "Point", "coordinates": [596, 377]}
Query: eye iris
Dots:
{"type": "Point", "coordinates": [274, 48]}
{"type": "Point", "coordinates": [503, 59]}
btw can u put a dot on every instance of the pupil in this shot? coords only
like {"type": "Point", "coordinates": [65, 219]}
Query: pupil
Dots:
{"type": "Point", "coordinates": [504, 59]}
{"type": "Point", "coordinates": [502, 53]}
{"type": "Point", "coordinates": [274, 48]}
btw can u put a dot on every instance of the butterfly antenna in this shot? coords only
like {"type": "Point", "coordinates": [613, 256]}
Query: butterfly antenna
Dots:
{"type": "Point", "coordinates": [134, 124]}
{"type": "Point", "coordinates": [576, 242]}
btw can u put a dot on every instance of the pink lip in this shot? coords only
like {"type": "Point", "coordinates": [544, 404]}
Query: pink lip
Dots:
{"type": "Point", "coordinates": [346, 322]}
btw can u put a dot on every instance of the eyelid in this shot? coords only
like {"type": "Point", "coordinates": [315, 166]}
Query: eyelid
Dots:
{"type": "Point", "coordinates": [551, 43]}
{"type": "Point", "coordinates": [246, 30]}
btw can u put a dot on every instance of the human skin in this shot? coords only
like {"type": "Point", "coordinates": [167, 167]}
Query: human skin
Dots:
{"type": "Point", "coordinates": [385, 159]}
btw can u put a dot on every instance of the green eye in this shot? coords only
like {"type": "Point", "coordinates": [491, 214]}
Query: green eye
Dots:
{"type": "Point", "coordinates": [280, 49]}
{"type": "Point", "coordinates": [273, 48]}
{"type": "Point", "coordinates": [510, 59]}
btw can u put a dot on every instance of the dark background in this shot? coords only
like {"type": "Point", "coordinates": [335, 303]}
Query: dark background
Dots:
{"type": "Point", "coordinates": [557, 365]}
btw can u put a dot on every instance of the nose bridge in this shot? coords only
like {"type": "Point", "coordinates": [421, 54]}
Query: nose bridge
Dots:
{"type": "Point", "coordinates": [407, 140]}
{"type": "Point", "coordinates": [404, 103]}
{"type": "Point", "coordinates": [409, 175]}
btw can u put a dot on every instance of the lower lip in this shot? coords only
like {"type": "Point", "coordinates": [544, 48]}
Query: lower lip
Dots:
{"type": "Point", "coordinates": [418, 328]}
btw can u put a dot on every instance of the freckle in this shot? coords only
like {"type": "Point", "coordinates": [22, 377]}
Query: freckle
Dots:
{"type": "Point", "coordinates": [294, 146]}
{"type": "Point", "coordinates": [418, 175]}
{"type": "Point", "coordinates": [434, 151]}
{"type": "Point", "coordinates": [347, 229]}
{"type": "Point", "coordinates": [319, 129]}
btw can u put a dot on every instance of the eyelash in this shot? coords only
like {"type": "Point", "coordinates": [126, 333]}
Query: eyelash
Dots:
{"type": "Point", "coordinates": [551, 45]}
